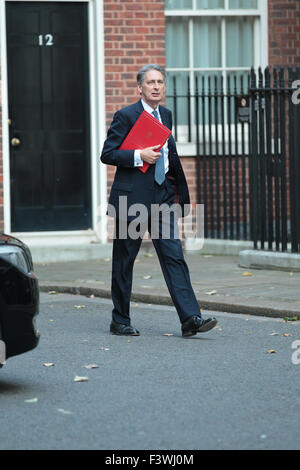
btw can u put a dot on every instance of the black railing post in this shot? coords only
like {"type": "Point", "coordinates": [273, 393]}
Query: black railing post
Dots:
{"type": "Point", "coordinates": [210, 162]}
{"type": "Point", "coordinates": [224, 161]}
{"type": "Point", "coordinates": [262, 163]}
{"type": "Point", "coordinates": [204, 159]}
{"type": "Point", "coordinates": [229, 121]}
{"type": "Point", "coordinates": [217, 159]}
{"type": "Point", "coordinates": [189, 110]}
{"type": "Point", "coordinates": [253, 162]}
{"type": "Point", "coordinates": [276, 161]}
{"type": "Point", "coordinates": [269, 159]}
{"type": "Point", "coordinates": [236, 164]}
{"type": "Point", "coordinates": [294, 114]}
{"type": "Point", "coordinates": [175, 107]}
{"type": "Point", "coordinates": [297, 170]}
{"type": "Point", "coordinates": [297, 166]}
{"type": "Point", "coordinates": [197, 142]}
{"type": "Point", "coordinates": [243, 164]}
{"type": "Point", "coordinates": [283, 169]}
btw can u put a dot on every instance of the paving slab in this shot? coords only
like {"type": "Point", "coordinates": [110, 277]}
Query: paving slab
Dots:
{"type": "Point", "coordinates": [219, 282]}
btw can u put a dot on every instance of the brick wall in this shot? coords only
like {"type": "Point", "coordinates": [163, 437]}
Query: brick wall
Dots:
{"type": "Point", "coordinates": [284, 32]}
{"type": "Point", "coordinates": [134, 35]}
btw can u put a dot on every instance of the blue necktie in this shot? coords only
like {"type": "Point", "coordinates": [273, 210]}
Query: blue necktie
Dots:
{"type": "Point", "coordinates": [159, 174]}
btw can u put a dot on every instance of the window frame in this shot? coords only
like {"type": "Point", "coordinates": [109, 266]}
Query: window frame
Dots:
{"type": "Point", "coordinates": [260, 34]}
{"type": "Point", "coordinates": [260, 46]}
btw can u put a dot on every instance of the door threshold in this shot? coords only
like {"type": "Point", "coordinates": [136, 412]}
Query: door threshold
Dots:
{"type": "Point", "coordinates": [77, 237]}
{"type": "Point", "coordinates": [55, 247]}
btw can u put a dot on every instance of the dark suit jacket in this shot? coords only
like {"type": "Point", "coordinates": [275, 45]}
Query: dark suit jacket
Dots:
{"type": "Point", "coordinates": [130, 181]}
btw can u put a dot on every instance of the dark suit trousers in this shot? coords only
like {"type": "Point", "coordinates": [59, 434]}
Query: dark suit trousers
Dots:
{"type": "Point", "coordinates": [170, 255]}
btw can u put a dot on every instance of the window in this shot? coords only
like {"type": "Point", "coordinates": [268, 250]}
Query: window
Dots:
{"type": "Point", "coordinates": [219, 38]}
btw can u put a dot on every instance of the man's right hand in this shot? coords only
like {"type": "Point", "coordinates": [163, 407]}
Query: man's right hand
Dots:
{"type": "Point", "coordinates": [150, 155]}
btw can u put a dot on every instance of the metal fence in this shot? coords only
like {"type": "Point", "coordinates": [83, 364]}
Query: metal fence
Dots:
{"type": "Point", "coordinates": [246, 133]}
{"type": "Point", "coordinates": [275, 157]}
{"type": "Point", "coordinates": [217, 116]}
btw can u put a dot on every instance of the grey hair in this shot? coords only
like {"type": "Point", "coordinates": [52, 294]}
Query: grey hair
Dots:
{"type": "Point", "coordinates": [142, 72]}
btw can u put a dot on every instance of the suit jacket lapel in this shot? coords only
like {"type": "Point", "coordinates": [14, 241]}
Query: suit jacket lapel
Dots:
{"type": "Point", "coordinates": [139, 108]}
{"type": "Point", "coordinates": [164, 117]}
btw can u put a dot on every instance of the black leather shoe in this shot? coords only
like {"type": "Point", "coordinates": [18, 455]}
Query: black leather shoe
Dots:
{"type": "Point", "coordinates": [196, 324]}
{"type": "Point", "coordinates": [124, 330]}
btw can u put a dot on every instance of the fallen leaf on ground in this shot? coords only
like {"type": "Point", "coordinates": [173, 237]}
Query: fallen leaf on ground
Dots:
{"type": "Point", "coordinates": [31, 400]}
{"type": "Point", "coordinates": [52, 292]}
{"type": "Point", "coordinates": [91, 366]}
{"type": "Point", "coordinates": [211, 292]}
{"type": "Point", "coordinates": [247, 274]}
{"type": "Point", "coordinates": [271, 351]}
{"type": "Point", "coordinates": [286, 334]}
{"type": "Point", "coordinates": [77, 378]}
{"type": "Point", "coordinates": [168, 334]}
{"type": "Point", "coordinates": [48, 364]}
{"type": "Point", "coordinates": [79, 306]}
{"type": "Point", "coordinates": [147, 277]}
{"type": "Point", "coordinates": [65, 412]}
{"type": "Point", "coordinates": [274, 334]}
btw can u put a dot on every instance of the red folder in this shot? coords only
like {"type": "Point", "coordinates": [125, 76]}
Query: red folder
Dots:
{"type": "Point", "coordinates": [146, 132]}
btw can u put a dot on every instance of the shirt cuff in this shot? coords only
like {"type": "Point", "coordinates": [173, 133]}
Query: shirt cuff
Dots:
{"type": "Point", "coordinates": [137, 158]}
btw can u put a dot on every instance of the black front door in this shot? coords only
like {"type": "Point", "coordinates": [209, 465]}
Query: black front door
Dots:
{"type": "Point", "coordinates": [48, 91]}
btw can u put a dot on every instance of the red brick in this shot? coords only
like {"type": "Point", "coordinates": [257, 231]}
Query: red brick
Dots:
{"type": "Point", "coordinates": [284, 32]}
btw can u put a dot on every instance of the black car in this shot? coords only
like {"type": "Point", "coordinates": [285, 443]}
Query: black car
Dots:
{"type": "Point", "coordinates": [19, 299]}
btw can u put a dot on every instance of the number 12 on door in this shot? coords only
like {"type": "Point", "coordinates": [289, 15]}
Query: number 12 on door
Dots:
{"type": "Point", "coordinates": [45, 40]}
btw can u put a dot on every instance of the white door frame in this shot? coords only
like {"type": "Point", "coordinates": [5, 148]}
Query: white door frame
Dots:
{"type": "Point", "coordinates": [97, 132]}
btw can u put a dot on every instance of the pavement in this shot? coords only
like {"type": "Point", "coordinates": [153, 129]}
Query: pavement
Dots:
{"type": "Point", "coordinates": [219, 282]}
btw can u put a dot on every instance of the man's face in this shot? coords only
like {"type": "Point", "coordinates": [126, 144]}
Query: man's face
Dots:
{"type": "Point", "coordinates": [152, 89]}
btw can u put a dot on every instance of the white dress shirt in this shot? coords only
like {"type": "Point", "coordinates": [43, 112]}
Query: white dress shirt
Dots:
{"type": "Point", "coordinates": [137, 153]}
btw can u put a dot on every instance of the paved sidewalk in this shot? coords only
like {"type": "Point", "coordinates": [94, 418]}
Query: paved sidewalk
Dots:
{"type": "Point", "coordinates": [219, 283]}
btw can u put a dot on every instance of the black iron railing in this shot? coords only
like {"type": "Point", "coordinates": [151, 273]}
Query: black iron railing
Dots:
{"type": "Point", "coordinates": [246, 135]}
{"type": "Point", "coordinates": [275, 151]}
{"type": "Point", "coordinates": [216, 119]}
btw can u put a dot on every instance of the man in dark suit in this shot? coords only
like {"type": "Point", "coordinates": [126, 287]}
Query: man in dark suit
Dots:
{"type": "Point", "coordinates": [153, 188]}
